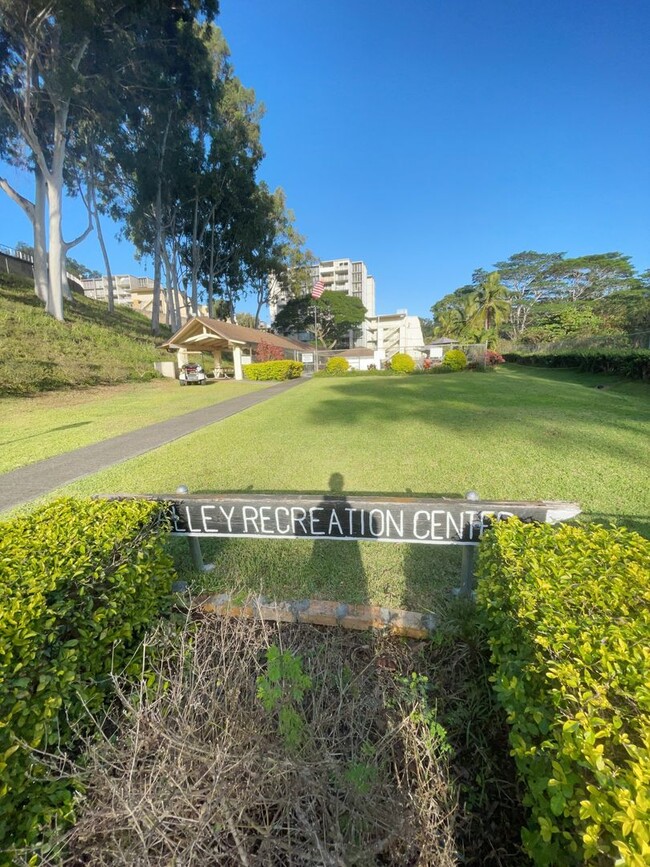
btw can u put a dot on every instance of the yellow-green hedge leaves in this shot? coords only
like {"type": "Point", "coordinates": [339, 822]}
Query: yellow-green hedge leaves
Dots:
{"type": "Point", "coordinates": [567, 610]}
{"type": "Point", "coordinates": [80, 580]}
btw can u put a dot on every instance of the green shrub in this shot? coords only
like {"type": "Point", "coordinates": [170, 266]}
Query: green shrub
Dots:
{"type": "Point", "coordinates": [455, 359]}
{"type": "Point", "coordinates": [568, 616]}
{"type": "Point", "coordinates": [402, 363]}
{"type": "Point", "coordinates": [632, 363]}
{"type": "Point", "coordinates": [80, 580]}
{"type": "Point", "coordinates": [274, 370]}
{"type": "Point", "coordinates": [336, 366]}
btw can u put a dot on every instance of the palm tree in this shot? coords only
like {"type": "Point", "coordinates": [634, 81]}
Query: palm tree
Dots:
{"type": "Point", "coordinates": [456, 320]}
{"type": "Point", "coordinates": [492, 302]}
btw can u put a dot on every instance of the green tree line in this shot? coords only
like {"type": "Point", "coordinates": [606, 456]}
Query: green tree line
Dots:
{"type": "Point", "coordinates": [545, 297]}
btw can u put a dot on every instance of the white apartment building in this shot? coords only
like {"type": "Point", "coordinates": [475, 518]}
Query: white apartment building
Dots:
{"type": "Point", "coordinates": [338, 275]}
{"type": "Point", "coordinates": [124, 287]}
{"type": "Point", "coordinates": [344, 275]}
{"type": "Point", "coordinates": [137, 293]}
{"type": "Point", "coordinates": [394, 332]}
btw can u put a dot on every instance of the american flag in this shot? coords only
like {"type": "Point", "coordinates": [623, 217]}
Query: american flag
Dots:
{"type": "Point", "coordinates": [319, 288]}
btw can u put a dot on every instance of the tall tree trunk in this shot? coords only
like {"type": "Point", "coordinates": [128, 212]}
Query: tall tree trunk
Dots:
{"type": "Point", "coordinates": [54, 181]}
{"type": "Point", "coordinates": [40, 246]}
{"type": "Point", "coordinates": [36, 214]}
{"type": "Point", "coordinates": [174, 293]}
{"type": "Point", "coordinates": [211, 273]}
{"type": "Point", "coordinates": [158, 241]}
{"type": "Point", "coordinates": [107, 264]}
{"type": "Point", "coordinates": [170, 315]}
{"type": "Point", "coordinates": [195, 256]}
{"type": "Point", "coordinates": [157, 257]}
{"type": "Point", "coordinates": [56, 258]}
{"type": "Point", "coordinates": [260, 304]}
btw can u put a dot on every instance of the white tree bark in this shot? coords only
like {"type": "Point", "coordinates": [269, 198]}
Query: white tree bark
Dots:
{"type": "Point", "coordinates": [23, 117]}
{"type": "Point", "coordinates": [35, 213]}
{"type": "Point", "coordinates": [41, 282]}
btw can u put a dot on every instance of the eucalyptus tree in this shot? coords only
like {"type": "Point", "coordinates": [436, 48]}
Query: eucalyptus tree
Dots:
{"type": "Point", "coordinates": [53, 53]}
{"type": "Point", "coordinates": [14, 152]}
{"type": "Point", "coordinates": [234, 210]}
{"type": "Point", "coordinates": [158, 150]}
{"type": "Point", "coordinates": [277, 255]}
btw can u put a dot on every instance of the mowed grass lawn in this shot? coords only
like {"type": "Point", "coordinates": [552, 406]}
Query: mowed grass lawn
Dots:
{"type": "Point", "coordinates": [34, 428]}
{"type": "Point", "coordinates": [515, 433]}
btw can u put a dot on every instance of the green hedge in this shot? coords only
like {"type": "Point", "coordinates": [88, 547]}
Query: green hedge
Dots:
{"type": "Point", "coordinates": [279, 370]}
{"type": "Point", "coordinates": [568, 617]}
{"type": "Point", "coordinates": [80, 580]}
{"type": "Point", "coordinates": [633, 363]}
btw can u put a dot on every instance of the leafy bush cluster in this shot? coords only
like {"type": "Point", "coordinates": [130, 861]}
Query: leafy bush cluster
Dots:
{"type": "Point", "coordinates": [568, 617]}
{"type": "Point", "coordinates": [265, 351]}
{"type": "Point", "coordinates": [274, 370]}
{"type": "Point", "coordinates": [336, 366]}
{"type": "Point", "coordinates": [80, 581]}
{"type": "Point", "coordinates": [493, 358]}
{"type": "Point", "coordinates": [402, 363]}
{"type": "Point", "coordinates": [455, 359]}
{"type": "Point", "coordinates": [632, 363]}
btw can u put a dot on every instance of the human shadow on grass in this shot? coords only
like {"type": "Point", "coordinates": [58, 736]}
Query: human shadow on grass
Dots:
{"type": "Point", "coordinates": [341, 557]}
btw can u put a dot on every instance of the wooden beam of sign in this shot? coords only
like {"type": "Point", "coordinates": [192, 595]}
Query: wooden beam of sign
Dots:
{"type": "Point", "coordinates": [282, 516]}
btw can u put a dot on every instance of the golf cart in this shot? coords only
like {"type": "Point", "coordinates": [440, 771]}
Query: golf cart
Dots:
{"type": "Point", "coordinates": [192, 373]}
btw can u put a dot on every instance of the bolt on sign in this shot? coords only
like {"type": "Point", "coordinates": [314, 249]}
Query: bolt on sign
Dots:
{"type": "Point", "coordinates": [413, 520]}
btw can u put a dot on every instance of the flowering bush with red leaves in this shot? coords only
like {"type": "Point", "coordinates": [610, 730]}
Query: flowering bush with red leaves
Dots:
{"type": "Point", "coordinates": [492, 358]}
{"type": "Point", "coordinates": [268, 352]}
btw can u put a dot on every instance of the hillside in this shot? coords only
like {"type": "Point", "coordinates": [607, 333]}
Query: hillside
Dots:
{"type": "Point", "coordinates": [92, 347]}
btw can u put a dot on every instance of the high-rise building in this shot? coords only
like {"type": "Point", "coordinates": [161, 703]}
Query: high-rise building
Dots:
{"type": "Point", "coordinates": [385, 334]}
{"type": "Point", "coordinates": [338, 275]}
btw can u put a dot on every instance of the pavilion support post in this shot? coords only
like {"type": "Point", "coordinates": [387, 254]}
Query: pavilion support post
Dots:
{"type": "Point", "coordinates": [236, 357]}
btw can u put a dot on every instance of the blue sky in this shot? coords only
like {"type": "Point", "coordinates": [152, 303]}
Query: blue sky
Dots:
{"type": "Point", "coordinates": [432, 137]}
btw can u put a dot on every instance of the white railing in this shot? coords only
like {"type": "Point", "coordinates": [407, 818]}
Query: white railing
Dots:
{"type": "Point", "coordinates": [27, 257]}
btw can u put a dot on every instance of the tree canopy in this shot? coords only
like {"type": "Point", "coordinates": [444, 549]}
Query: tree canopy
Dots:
{"type": "Point", "coordinates": [543, 297]}
{"type": "Point", "coordinates": [137, 109]}
{"type": "Point", "coordinates": [337, 314]}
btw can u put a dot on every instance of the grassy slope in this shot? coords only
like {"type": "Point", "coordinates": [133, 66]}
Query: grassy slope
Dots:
{"type": "Point", "coordinates": [91, 347]}
{"type": "Point", "coordinates": [53, 423]}
{"type": "Point", "coordinates": [515, 434]}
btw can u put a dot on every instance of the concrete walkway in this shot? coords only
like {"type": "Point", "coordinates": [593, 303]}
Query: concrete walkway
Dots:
{"type": "Point", "coordinates": [35, 480]}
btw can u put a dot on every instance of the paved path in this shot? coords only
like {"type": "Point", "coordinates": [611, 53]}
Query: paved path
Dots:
{"type": "Point", "coordinates": [35, 480]}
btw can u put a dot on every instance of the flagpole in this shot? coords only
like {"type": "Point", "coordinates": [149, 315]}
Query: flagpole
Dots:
{"type": "Point", "coordinates": [315, 341]}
